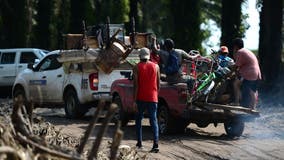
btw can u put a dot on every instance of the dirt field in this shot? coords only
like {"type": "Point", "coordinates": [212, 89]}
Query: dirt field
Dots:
{"type": "Point", "coordinates": [262, 139]}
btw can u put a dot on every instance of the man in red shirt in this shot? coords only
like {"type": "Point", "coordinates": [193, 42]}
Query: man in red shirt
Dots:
{"type": "Point", "coordinates": [249, 73]}
{"type": "Point", "coordinates": [146, 76]}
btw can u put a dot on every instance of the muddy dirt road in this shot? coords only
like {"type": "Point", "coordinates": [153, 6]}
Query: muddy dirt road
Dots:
{"type": "Point", "coordinates": [262, 139]}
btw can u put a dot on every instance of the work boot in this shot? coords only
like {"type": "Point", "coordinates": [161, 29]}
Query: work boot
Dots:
{"type": "Point", "coordinates": [155, 148]}
{"type": "Point", "coordinates": [139, 144]}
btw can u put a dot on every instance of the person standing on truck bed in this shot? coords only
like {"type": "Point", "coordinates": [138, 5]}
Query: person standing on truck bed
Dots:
{"type": "Point", "coordinates": [146, 76]}
{"type": "Point", "coordinates": [171, 60]}
{"type": "Point", "coordinates": [248, 73]}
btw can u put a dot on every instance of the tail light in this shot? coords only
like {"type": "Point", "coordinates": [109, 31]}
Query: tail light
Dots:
{"type": "Point", "coordinates": [94, 81]}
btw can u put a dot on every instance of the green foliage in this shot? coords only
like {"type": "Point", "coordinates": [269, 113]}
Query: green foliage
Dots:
{"type": "Point", "coordinates": [79, 11]}
{"type": "Point", "coordinates": [156, 17]}
{"type": "Point", "coordinates": [187, 21]}
{"type": "Point", "coordinates": [211, 10]}
{"type": "Point", "coordinates": [116, 10]}
{"type": "Point", "coordinates": [119, 10]}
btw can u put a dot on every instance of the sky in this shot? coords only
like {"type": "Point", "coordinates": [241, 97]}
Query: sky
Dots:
{"type": "Point", "coordinates": [252, 34]}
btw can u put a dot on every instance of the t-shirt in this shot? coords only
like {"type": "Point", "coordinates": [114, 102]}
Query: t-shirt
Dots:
{"type": "Point", "coordinates": [248, 64]}
{"type": "Point", "coordinates": [164, 55]}
{"type": "Point", "coordinates": [154, 58]}
{"type": "Point", "coordinates": [178, 77]}
{"type": "Point", "coordinates": [147, 82]}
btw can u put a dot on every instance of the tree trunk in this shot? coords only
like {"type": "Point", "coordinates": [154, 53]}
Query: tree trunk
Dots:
{"type": "Point", "coordinates": [43, 19]}
{"type": "Point", "coordinates": [29, 19]}
{"type": "Point", "coordinates": [230, 22]}
{"type": "Point", "coordinates": [62, 21]}
{"type": "Point", "coordinates": [134, 13]}
{"type": "Point", "coordinates": [270, 42]}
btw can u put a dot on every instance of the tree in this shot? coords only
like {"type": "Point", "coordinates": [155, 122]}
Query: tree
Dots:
{"type": "Point", "coordinates": [133, 13]}
{"type": "Point", "coordinates": [102, 9]}
{"type": "Point", "coordinates": [186, 24]}
{"type": "Point", "coordinates": [157, 17]}
{"type": "Point", "coordinates": [116, 10]}
{"type": "Point", "coordinates": [119, 11]}
{"type": "Point", "coordinates": [42, 29]}
{"type": "Point", "coordinates": [231, 22]}
{"type": "Point", "coordinates": [211, 9]}
{"type": "Point", "coordinates": [80, 10]}
{"type": "Point", "coordinates": [16, 20]}
{"type": "Point", "coordinates": [62, 21]}
{"type": "Point", "coordinates": [270, 39]}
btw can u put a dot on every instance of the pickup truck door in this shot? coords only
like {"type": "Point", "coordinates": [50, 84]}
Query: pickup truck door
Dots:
{"type": "Point", "coordinates": [129, 93]}
{"type": "Point", "coordinates": [36, 83]}
{"type": "Point", "coordinates": [7, 68]}
{"type": "Point", "coordinates": [54, 81]}
{"type": "Point", "coordinates": [48, 80]}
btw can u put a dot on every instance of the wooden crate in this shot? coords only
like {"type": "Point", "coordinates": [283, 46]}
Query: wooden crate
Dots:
{"type": "Point", "coordinates": [142, 40]}
{"type": "Point", "coordinates": [75, 41]}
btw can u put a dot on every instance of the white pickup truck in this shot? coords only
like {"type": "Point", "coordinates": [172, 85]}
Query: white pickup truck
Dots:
{"type": "Point", "coordinates": [77, 86]}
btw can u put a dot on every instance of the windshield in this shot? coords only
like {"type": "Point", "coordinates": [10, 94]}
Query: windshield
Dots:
{"type": "Point", "coordinates": [43, 52]}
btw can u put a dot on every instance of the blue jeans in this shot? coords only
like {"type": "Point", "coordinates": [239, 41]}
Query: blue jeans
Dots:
{"type": "Point", "coordinates": [152, 111]}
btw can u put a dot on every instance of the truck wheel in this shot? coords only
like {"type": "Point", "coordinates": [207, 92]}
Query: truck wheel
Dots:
{"type": "Point", "coordinates": [168, 124]}
{"type": "Point", "coordinates": [120, 115]}
{"type": "Point", "coordinates": [72, 105]}
{"type": "Point", "coordinates": [234, 128]}
{"type": "Point", "coordinates": [28, 106]}
{"type": "Point", "coordinates": [19, 93]}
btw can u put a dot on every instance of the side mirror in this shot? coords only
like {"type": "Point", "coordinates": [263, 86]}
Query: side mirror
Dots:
{"type": "Point", "coordinates": [31, 66]}
{"type": "Point", "coordinates": [36, 61]}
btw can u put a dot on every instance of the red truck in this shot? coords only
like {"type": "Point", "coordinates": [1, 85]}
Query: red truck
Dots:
{"type": "Point", "coordinates": [175, 113]}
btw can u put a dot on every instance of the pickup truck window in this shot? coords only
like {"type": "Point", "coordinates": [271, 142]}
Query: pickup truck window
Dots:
{"type": "Point", "coordinates": [49, 63]}
{"type": "Point", "coordinates": [8, 58]}
{"type": "Point", "coordinates": [27, 57]}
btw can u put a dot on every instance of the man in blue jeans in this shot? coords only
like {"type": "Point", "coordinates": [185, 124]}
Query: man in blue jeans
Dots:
{"type": "Point", "coordinates": [146, 76]}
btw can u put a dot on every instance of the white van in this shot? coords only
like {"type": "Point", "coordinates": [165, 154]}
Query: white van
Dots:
{"type": "Point", "coordinates": [13, 61]}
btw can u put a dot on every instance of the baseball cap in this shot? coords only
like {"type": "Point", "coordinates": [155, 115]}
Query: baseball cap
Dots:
{"type": "Point", "coordinates": [144, 53]}
{"type": "Point", "coordinates": [224, 49]}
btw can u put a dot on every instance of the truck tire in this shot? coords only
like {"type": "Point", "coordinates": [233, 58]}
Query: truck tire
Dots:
{"type": "Point", "coordinates": [120, 115]}
{"type": "Point", "coordinates": [234, 128]}
{"type": "Point", "coordinates": [169, 124]}
{"type": "Point", "coordinates": [19, 92]}
{"type": "Point", "coordinates": [72, 105]}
